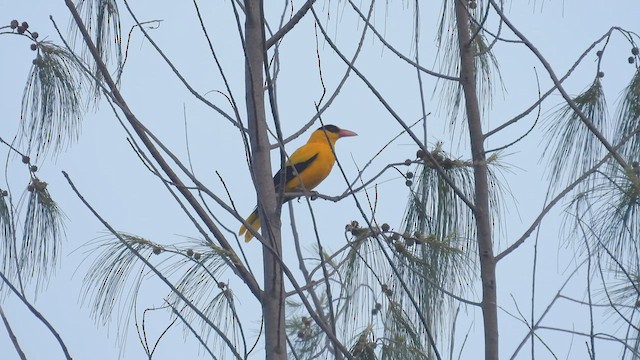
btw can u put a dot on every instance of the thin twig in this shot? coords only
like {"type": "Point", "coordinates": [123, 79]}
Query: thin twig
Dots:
{"type": "Point", "coordinates": [153, 269]}
{"type": "Point", "coordinates": [560, 196]}
{"type": "Point", "coordinates": [398, 53]}
{"type": "Point", "coordinates": [572, 104]}
{"type": "Point", "coordinates": [551, 90]}
{"type": "Point", "coordinates": [546, 311]}
{"type": "Point", "coordinates": [38, 315]}
{"type": "Point", "coordinates": [12, 336]}
{"type": "Point", "coordinates": [145, 135]}
{"type": "Point", "coordinates": [172, 66]}
{"type": "Point", "coordinates": [290, 24]}
{"type": "Point", "coordinates": [191, 329]}
{"type": "Point", "coordinates": [395, 115]}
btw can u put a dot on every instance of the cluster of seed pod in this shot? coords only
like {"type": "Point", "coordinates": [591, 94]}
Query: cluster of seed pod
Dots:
{"type": "Point", "coordinates": [358, 231]}
{"type": "Point", "coordinates": [631, 59]}
{"type": "Point", "coordinates": [22, 28]}
{"type": "Point", "coordinates": [376, 308]}
{"type": "Point", "coordinates": [634, 54]}
{"type": "Point", "coordinates": [387, 290]}
{"type": "Point", "coordinates": [363, 347]}
{"type": "Point", "coordinates": [196, 256]}
{"type": "Point", "coordinates": [305, 333]}
{"type": "Point", "coordinates": [438, 158]}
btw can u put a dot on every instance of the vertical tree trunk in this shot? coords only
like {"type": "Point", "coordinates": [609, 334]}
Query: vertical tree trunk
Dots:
{"type": "Point", "coordinates": [482, 211]}
{"type": "Point", "coordinates": [273, 295]}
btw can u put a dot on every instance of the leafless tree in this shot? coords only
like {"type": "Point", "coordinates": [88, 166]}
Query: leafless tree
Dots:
{"type": "Point", "coordinates": [389, 292]}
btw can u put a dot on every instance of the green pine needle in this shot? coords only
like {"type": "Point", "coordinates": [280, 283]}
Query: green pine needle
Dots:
{"type": "Point", "coordinates": [628, 117]}
{"type": "Point", "coordinates": [199, 268]}
{"type": "Point", "coordinates": [51, 105]}
{"type": "Point", "coordinates": [626, 292]}
{"type": "Point", "coordinates": [617, 221]}
{"type": "Point", "coordinates": [8, 251]}
{"type": "Point", "coordinates": [113, 280]}
{"type": "Point", "coordinates": [103, 17]}
{"type": "Point", "coordinates": [572, 147]}
{"type": "Point", "coordinates": [307, 338]}
{"type": "Point", "coordinates": [486, 67]}
{"type": "Point", "coordinates": [43, 233]}
{"type": "Point", "coordinates": [402, 339]}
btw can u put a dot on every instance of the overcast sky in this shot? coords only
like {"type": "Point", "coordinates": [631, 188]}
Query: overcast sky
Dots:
{"type": "Point", "coordinates": [111, 177]}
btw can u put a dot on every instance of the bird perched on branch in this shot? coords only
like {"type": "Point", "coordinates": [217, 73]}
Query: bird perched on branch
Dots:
{"type": "Point", "coordinates": [305, 169]}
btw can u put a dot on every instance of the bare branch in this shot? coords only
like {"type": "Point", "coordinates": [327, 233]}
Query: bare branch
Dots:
{"type": "Point", "coordinates": [38, 315]}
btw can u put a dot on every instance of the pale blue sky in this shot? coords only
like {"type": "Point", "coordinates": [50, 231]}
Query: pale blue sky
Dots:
{"type": "Point", "coordinates": [112, 178]}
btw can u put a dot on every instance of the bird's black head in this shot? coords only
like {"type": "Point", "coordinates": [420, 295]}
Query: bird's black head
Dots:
{"type": "Point", "coordinates": [330, 128]}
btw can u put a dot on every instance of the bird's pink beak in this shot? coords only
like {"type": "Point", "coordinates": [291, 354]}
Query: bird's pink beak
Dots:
{"type": "Point", "coordinates": [344, 133]}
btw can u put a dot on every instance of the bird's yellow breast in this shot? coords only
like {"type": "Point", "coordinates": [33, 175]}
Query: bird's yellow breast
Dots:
{"type": "Point", "coordinates": [317, 171]}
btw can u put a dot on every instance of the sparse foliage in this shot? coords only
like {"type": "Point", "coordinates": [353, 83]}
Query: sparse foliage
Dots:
{"type": "Point", "coordinates": [398, 285]}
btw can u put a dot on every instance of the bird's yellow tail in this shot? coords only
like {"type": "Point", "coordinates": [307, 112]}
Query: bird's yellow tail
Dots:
{"type": "Point", "coordinates": [254, 221]}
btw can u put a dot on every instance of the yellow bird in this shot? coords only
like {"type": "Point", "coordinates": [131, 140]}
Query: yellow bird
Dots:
{"type": "Point", "coordinates": [305, 169]}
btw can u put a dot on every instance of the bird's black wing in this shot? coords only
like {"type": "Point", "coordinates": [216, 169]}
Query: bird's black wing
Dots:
{"type": "Point", "coordinates": [291, 171]}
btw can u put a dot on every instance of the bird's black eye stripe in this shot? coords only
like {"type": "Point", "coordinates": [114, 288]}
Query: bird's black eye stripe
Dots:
{"type": "Point", "coordinates": [330, 128]}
